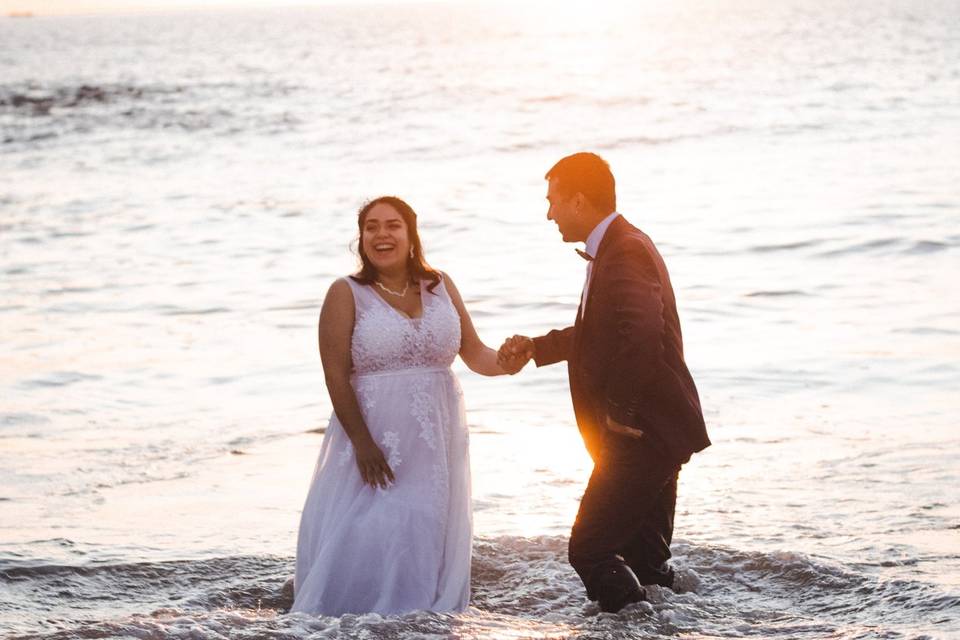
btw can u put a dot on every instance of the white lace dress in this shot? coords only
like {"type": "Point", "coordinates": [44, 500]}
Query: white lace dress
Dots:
{"type": "Point", "coordinates": [406, 547]}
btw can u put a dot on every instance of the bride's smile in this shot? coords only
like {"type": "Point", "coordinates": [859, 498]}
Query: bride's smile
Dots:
{"type": "Point", "coordinates": [386, 241]}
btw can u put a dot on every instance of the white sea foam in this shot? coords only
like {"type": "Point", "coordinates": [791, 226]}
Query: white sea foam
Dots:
{"type": "Point", "coordinates": [522, 587]}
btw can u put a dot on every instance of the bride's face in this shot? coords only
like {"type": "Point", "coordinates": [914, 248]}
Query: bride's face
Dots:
{"type": "Point", "coordinates": [385, 239]}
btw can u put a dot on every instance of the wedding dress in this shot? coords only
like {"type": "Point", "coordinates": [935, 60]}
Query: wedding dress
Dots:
{"type": "Point", "coordinates": [406, 547]}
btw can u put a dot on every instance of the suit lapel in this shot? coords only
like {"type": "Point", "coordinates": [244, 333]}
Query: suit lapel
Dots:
{"type": "Point", "coordinates": [614, 230]}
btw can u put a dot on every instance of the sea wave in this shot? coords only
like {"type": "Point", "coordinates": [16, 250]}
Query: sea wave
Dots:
{"type": "Point", "coordinates": [33, 112]}
{"type": "Point", "coordinates": [522, 587]}
{"type": "Point", "coordinates": [39, 101]}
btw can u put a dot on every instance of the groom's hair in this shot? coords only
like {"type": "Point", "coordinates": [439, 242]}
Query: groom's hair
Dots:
{"type": "Point", "coordinates": [589, 174]}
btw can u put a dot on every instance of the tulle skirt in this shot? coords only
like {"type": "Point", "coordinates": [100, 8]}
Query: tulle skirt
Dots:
{"type": "Point", "coordinates": [406, 547]}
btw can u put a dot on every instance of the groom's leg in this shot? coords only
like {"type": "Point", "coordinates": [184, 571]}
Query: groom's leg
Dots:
{"type": "Point", "coordinates": [649, 550]}
{"type": "Point", "coordinates": [624, 488]}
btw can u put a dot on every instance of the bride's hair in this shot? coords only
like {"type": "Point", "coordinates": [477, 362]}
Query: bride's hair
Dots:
{"type": "Point", "coordinates": [417, 265]}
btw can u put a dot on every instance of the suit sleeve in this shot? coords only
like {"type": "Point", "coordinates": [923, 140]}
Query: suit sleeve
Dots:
{"type": "Point", "coordinates": [636, 321]}
{"type": "Point", "coordinates": [553, 347]}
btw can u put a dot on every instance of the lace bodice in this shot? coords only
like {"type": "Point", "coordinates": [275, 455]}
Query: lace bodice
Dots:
{"type": "Point", "coordinates": [386, 340]}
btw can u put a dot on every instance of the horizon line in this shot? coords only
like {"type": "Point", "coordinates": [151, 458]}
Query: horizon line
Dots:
{"type": "Point", "coordinates": [24, 9]}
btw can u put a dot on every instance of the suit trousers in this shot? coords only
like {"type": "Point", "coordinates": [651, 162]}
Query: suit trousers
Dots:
{"type": "Point", "coordinates": [626, 514]}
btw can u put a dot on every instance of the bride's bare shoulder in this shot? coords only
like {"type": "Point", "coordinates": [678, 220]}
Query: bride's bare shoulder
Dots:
{"type": "Point", "coordinates": [339, 296]}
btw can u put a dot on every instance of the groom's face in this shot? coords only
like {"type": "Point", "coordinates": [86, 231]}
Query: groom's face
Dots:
{"type": "Point", "coordinates": [563, 210]}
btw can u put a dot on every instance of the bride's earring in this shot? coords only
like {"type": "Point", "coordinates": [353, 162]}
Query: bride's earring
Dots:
{"type": "Point", "coordinates": [411, 253]}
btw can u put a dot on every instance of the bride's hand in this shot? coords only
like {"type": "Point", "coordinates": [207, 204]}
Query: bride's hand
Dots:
{"type": "Point", "coordinates": [373, 466]}
{"type": "Point", "coordinates": [515, 353]}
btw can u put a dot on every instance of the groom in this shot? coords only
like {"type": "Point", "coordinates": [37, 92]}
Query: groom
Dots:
{"type": "Point", "coordinates": [635, 402]}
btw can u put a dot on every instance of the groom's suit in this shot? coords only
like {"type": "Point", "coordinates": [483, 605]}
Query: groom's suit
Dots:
{"type": "Point", "coordinates": [625, 361]}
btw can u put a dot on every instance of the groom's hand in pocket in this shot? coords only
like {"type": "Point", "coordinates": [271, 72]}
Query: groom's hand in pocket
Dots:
{"type": "Point", "coordinates": [515, 353]}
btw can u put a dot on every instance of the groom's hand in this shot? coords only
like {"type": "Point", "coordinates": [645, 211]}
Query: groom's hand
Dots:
{"type": "Point", "coordinates": [622, 429]}
{"type": "Point", "coordinates": [515, 353]}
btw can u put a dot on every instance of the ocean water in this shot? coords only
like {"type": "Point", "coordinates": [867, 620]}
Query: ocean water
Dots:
{"type": "Point", "coordinates": [178, 191]}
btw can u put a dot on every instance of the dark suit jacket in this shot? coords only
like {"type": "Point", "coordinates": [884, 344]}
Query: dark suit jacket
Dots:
{"type": "Point", "coordinates": [625, 356]}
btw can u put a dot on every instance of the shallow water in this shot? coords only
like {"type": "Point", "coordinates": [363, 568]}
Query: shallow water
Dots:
{"type": "Point", "coordinates": [178, 191]}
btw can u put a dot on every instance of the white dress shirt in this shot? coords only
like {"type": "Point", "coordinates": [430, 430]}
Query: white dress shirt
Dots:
{"type": "Point", "coordinates": [592, 246]}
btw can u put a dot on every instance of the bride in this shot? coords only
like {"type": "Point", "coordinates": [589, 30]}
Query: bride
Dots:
{"type": "Point", "coordinates": [387, 525]}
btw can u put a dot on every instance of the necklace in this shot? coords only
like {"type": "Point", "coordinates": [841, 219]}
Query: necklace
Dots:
{"type": "Point", "coordinates": [399, 294]}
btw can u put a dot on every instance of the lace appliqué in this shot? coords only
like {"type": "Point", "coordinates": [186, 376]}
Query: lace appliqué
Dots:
{"type": "Point", "coordinates": [391, 440]}
{"type": "Point", "coordinates": [366, 393]}
{"type": "Point", "coordinates": [346, 454]}
{"type": "Point", "coordinates": [420, 409]}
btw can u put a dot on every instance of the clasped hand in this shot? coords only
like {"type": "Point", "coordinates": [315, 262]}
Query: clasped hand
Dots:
{"type": "Point", "coordinates": [515, 353]}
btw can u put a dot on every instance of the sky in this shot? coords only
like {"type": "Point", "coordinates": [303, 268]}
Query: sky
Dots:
{"type": "Point", "coordinates": [68, 7]}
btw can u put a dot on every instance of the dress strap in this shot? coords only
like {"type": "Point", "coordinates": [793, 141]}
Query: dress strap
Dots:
{"type": "Point", "coordinates": [440, 290]}
{"type": "Point", "coordinates": [443, 293]}
{"type": "Point", "coordinates": [361, 294]}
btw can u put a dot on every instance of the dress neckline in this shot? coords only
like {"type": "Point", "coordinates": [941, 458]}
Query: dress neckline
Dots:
{"type": "Point", "coordinates": [423, 307]}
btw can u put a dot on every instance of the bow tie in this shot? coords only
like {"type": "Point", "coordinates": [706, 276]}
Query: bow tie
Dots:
{"type": "Point", "coordinates": [583, 254]}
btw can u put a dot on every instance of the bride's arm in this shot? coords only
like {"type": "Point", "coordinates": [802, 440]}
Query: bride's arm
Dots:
{"type": "Point", "coordinates": [335, 332]}
{"type": "Point", "coordinates": [478, 357]}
